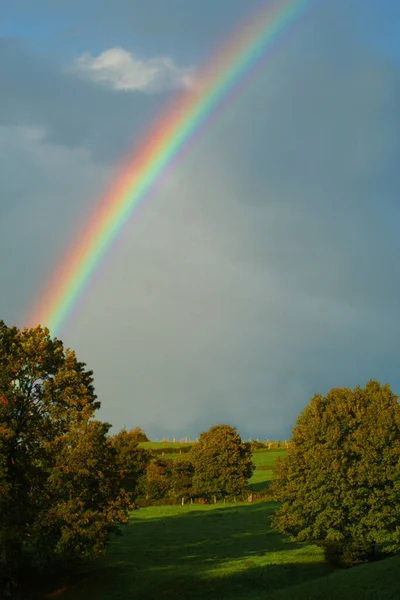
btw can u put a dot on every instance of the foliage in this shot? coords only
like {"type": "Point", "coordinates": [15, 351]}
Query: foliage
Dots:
{"type": "Point", "coordinates": [139, 434]}
{"type": "Point", "coordinates": [157, 481]}
{"type": "Point", "coordinates": [340, 482]}
{"type": "Point", "coordinates": [256, 445]}
{"type": "Point", "coordinates": [182, 478]}
{"type": "Point", "coordinates": [222, 463]}
{"type": "Point", "coordinates": [59, 485]}
{"type": "Point", "coordinates": [167, 479]}
{"type": "Point", "coordinates": [131, 459]}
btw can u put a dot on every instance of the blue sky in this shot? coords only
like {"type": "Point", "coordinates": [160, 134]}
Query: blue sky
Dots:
{"type": "Point", "coordinates": [265, 267]}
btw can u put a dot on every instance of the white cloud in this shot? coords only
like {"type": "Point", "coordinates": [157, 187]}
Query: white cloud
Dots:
{"type": "Point", "coordinates": [121, 70]}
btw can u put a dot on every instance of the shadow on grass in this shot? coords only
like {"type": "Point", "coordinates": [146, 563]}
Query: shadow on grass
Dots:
{"type": "Point", "coordinates": [214, 553]}
{"type": "Point", "coordinates": [261, 486]}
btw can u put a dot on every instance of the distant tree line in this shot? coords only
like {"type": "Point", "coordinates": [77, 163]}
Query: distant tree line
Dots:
{"type": "Point", "coordinates": [216, 467]}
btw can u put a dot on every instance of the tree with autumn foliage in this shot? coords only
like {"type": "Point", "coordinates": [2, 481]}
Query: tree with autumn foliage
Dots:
{"type": "Point", "coordinates": [132, 460]}
{"type": "Point", "coordinates": [139, 434]}
{"type": "Point", "coordinates": [182, 478]}
{"type": "Point", "coordinates": [222, 463]}
{"type": "Point", "coordinates": [339, 483]}
{"type": "Point", "coordinates": [61, 488]}
{"type": "Point", "coordinates": [157, 482]}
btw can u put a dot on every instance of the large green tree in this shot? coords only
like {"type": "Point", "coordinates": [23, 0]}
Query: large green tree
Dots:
{"type": "Point", "coordinates": [339, 483]}
{"type": "Point", "coordinates": [60, 486]}
{"type": "Point", "coordinates": [222, 463]}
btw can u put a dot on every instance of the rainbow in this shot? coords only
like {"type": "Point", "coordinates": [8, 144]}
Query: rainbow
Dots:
{"type": "Point", "coordinates": [158, 150]}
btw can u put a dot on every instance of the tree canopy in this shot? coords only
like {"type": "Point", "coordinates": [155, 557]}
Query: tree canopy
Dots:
{"type": "Point", "coordinates": [131, 460]}
{"type": "Point", "coordinates": [60, 485]}
{"type": "Point", "coordinates": [139, 434]}
{"type": "Point", "coordinates": [340, 481]}
{"type": "Point", "coordinates": [222, 463]}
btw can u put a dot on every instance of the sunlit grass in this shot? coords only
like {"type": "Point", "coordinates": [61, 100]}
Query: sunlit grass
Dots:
{"type": "Point", "coordinates": [223, 552]}
{"type": "Point", "coordinates": [199, 551]}
{"type": "Point", "coordinates": [264, 461]}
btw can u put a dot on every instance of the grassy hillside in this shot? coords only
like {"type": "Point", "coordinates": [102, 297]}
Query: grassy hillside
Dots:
{"type": "Point", "coordinates": [221, 553]}
{"type": "Point", "coordinates": [263, 458]}
{"type": "Point", "coordinates": [375, 581]}
{"type": "Point", "coordinates": [214, 552]}
{"type": "Point", "coordinates": [265, 462]}
{"type": "Point", "coordinates": [165, 445]}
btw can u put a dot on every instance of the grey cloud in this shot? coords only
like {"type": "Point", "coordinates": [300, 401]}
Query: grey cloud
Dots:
{"type": "Point", "coordinates": [46, 191]}
{"type": "Point", "coordinates": [264, 267]}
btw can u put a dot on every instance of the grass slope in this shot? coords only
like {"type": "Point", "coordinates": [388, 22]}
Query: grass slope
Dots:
{"type": "Point", "coordinates": [216, 552]}
{"type": "Point", "coordinates": [264, 461]}
{"type": "Point", "coordinates": [223, 553]}
{"type": "Point", "coordinates": [374, 581]}
{"type": "Point", "coordinates": [165, 445]}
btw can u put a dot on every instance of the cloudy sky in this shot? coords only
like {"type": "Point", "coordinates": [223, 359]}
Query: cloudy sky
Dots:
{"type": "Point", "coordinates": [264, 268]}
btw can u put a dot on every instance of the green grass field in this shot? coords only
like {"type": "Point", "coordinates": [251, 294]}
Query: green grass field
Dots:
{"type": "Point", "coordinates": [195, 551]}
{"type": "Point", "coordinates": [222, 552]}
{"type": "Point", "coordinates": [264, 461]}
{"type": "Point", "coordinates": [165, 445]}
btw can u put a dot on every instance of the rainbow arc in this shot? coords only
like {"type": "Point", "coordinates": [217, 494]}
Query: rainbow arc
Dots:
{"type": "Point", "coordinates": [163, 143]}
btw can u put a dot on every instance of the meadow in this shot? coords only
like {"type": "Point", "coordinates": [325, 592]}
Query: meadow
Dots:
{"type": "Point", "coordinates": [167, 446]}
{"type": "Point", "coordinates": [222, 552]}
{"type": "Point", "coordinates": [265, 463]}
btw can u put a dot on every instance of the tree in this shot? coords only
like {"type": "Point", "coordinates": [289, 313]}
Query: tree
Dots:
{"type": "Point", "coordinates": [222, 463]}
{"type": "Point", "coordinates": [157, 482]}
{"type": "Point", "coordinates": [340, 480]}
{"type": "Point", "coordinates": [139, 434]}
{"type": "Point", "coordinates": [182, 478]}
{"type": "Point", "coordinates": [132, 460]}
{"type": "Point", "coordinates": [59, 483]}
